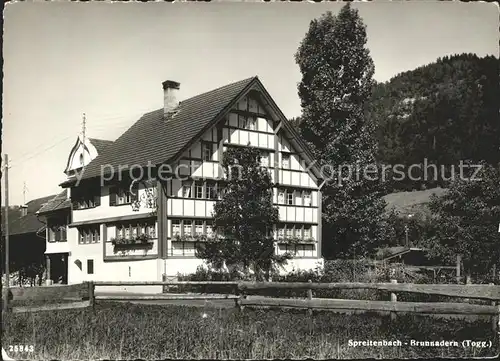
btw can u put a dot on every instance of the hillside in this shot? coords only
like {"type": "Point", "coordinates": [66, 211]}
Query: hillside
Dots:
{"type": "Point", "coordinates": [412, 202]}
{"type": "Point", "coordinates": [445, 112]}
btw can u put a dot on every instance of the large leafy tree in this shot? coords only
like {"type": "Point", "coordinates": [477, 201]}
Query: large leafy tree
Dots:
{"type": "Point", "coordinates": [466, 220]}
{"type": "Point", "coordinates": [336, 84]}
{"type": "Point", "coordinates": [244, 218]}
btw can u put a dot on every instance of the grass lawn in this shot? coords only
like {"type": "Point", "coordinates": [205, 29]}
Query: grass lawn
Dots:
{"type": "Point", "coordinates": [131, 331]}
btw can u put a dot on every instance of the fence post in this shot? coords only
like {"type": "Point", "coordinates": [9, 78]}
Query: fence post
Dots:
{"type": "Point", "coordinates": [91, 294]}
{"type": "Point", "coordinates": [237, 302]}
{"type": "Point", "coordinates": [459, 261]}
{"type": "Point", "coordinates": [495, 320]}
{"type": "Point", "coordinates": [309, 297]}
{"type": "Point", "coordinates": [164, 288]}
{"type": "Point", "coordinates": [394, 298]}
{"type": "Point", "coordinates": [241, 294]}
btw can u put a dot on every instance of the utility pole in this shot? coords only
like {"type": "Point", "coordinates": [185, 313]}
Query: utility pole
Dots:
{"type": "Point", "coordinates": [25, 189]}
{"type": "Point", "coordinates": [6, 230]}
{"type": "Point", "coordinates": [84, 130]}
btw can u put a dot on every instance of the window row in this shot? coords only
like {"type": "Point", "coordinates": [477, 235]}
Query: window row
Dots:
{"type": "Point", "coordinates": [123, 194]}
{"type": "Point", "coordinates": [189, 227]}
{"type": "Point", "coordinates": [90, 197]}
{"type": "Point", "coordinates": [294, 197]}
{"type": "Point", "coordinates": [200, 190]}
{"type": "Point", "coordinates": [57, 233]}
{"type": "Point", "coordinates": [247, 122]}
{"type": "Point", "coordinates": [89, 234]}
{"type": "Point", "coordinates": [136, 229]}
{"type": "Point", "coordinates": [298, 250]}
{"type": "Point", "coordinates": [302, 231]}
{"type": "Point", "coordinates": [86, 197]}
{"type": "Point", "coordinates": [188, 249]}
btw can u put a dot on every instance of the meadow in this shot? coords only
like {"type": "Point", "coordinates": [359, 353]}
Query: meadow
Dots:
{"type": "Point", "coordinates": [131, 331]}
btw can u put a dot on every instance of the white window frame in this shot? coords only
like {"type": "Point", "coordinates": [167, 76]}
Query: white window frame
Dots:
{"type": "Point", "coordinates": [264, 159]}
{"type": "Point", "coordinates": [198, 191]}
{"type": "Point", "coordinates": [187, 225]}
{"type": "Point", "coordinates": [306, 197]}
{"type": "Point", "coordinates": [307, 231]}
{"type": "Point", "coordinates": [281, 196]}
{"type": "Point", "coordinates": [176, 224]}
{"type": "Point", "coordinates": [285, 158]}
{"type": "Point", "coordinates": [207, 152]}
{"type": "Point", "coordinates": [197, 230]}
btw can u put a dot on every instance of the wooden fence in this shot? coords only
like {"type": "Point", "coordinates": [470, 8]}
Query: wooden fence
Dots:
{"type": "Point", "coordinates": [240, 292]}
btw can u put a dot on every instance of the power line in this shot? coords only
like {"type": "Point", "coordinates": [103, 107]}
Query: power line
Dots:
{"type": "Point", "coordinates": [19, 160]}
{"type": "Point", "coordinates": [116, 125]}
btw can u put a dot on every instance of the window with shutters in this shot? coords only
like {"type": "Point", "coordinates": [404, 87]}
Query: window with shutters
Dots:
{"type": "Point", "coordinates": [86, 196]}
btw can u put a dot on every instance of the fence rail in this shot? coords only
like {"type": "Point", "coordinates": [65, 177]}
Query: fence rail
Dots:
{"type": "Point", "coordinates": [240, 289]}
{"type": "Point", "coordinates": [484, 292]}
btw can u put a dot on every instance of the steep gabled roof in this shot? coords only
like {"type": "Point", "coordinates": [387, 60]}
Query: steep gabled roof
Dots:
{"type": "Point", "coordinates": [155, 139]}
{"type": "Point", "coordinates": [29, 223]}
{"type": "Point", "coordinates": [61, 201]}
{"type": "Point", "coordinates": [100, 144]}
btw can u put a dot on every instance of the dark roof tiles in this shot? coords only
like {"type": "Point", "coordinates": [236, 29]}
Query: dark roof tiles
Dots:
{"type": "Point", "coordinates": [155, 139]}
{"type": "Point", "coordinates": [29, 223]}
{"type": "Point", "coordinates": [57, 203]}
{"type": "Point", "coordinates": [100, 144]}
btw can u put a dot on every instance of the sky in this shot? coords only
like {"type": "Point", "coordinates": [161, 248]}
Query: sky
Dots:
{"type": "Point", "coordinates": [108, 60]}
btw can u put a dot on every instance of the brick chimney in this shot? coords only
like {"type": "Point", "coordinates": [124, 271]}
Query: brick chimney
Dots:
{"type": "Point", "coordinates": [170, 96]}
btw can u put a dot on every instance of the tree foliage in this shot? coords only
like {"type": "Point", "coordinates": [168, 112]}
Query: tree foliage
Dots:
{"type": "Point", "coordinates": [336, 83]}
{"type": "Point", "coordinates": [466, 220]}
{"type": "Point", "coordinates": [244, 218]}
{"type": "Point", "coordinates": [444, 112]}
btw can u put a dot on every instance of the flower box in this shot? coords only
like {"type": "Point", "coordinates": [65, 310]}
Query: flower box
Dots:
{"type": "Point", "coordinates": [130, 246]}
{"type": "Point", "coordinates": [192, 238]}
{"type": "Point", "coordinates": [142, 241]}
{"type": "Point", "coordinates": [296, 240]}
